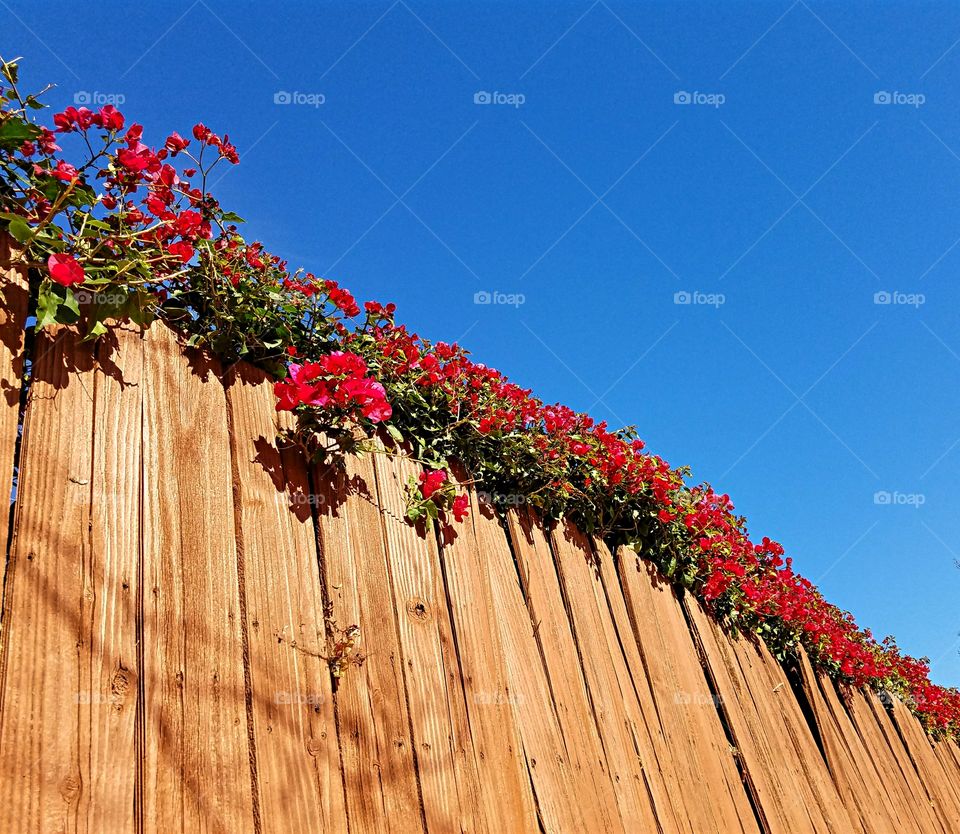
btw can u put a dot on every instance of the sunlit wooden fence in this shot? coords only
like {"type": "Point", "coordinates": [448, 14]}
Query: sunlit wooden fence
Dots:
{"type": "Point", "coordinates": [178, 587]}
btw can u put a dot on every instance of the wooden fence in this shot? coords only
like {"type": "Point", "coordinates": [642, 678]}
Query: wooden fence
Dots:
{"type": "Point", "coordinates": [177, 584]}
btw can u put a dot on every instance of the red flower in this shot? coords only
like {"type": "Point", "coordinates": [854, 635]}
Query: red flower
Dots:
{"type": "Point", "coordinates": [461, 507]}
{"type": "Point", "coordinates": [181, 250]}
{"type": "Point", "coordinates": [302, 387]}
{"type": "Point", "coordinates": [111, 118]}
{"type": "Point", "coordinates": [431, 480]}
{"type": "Point", "coordinates": [65, 171]}
{"type": "Point", "coordinates": [176, 143]}
{"type": "Point", "coordinates": [65, 270]}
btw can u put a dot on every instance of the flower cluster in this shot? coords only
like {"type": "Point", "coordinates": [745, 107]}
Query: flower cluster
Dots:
{"type": "Point", "coordinates": [433, 496]}
{"type": "Point", "coordinates": [336, 382]}
{"type": "Point", "coordinates": [137, 220]}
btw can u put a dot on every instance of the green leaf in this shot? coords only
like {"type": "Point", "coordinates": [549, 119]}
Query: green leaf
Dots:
{"type": "Point", "coordinates": [231, 217]}
{"type": "Point", "coordinates": [394, 432]}
{"type": "Point", "coordinates": [20, 230]}
{"type": "Point", "coordinates": [14, 132]}
{"type": "Point", "coordinates": [47, 306]}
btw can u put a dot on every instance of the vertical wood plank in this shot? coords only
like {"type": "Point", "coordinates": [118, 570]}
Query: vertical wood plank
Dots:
{"type": "Point", "coordinates": [491, 711]}
{"type": "Point", "coordinates": [109, 670]}
{"type": "Point", "coordinates": [888, 751]}
{"type": "Point", "coordinates": [783, 769]}
{"type": "Point", "coordinates": [13, 316]}
{"type": "Point", "coordinates": [373, 718]}
{"type": "Point", "coordinates": [294, 730]}
{"type": "Point", "coordinates": [683, 703]}
{"type": "Point", "coordinates": [588, 759]}
{"type": "Point", "coordinates": [562, 791]}
{"type": "Point", "coordinates": [853, 772]}
{"type": "Point", "coordinates": [641, 795]}
{"type": "Point", "coordinates": [43, 639]}
{"type": "Point", "coordinates": [938, 785]}
{"type": "Point", "coordinates": [446, 760]}
{"type": "Point", "coordinates": [195, 765]}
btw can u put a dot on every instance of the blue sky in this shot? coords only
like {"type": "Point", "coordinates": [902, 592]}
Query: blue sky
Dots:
{"type": "Point", "coordinates": [775, 165]}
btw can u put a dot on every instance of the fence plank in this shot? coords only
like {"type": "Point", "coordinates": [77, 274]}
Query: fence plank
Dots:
{"type": "Point", "coordinates": [379, 767]}
{"type": "Point", "coordinates": [13, 317]}
{"type": "Point", "coordinates": [446, 760]}
{"type": "Point", "coordinates": [792, 787]}
{"type": "Point", "coordinates": [196, 769]}
{"type": "Point", "coordinates": [47, 587]}
{"type": "Point", "coordinates": [887, 748]}
{"type": "Point", "coordinates": [684, 704]}
{"type": "Point", "coordinates": [639, 790]}
{"type": "Point", "coordinates": [854, 774]}
{"type": "Point", "coordinates": [563, 791]}
{"type": "Point", "coordinates": [491, 713]}
{"type": "Point", "coordinates": [587, 756]}
{"type": "Point", "coordinates": [109, 668]}
{"type": "Point", "coordinates": [939, 787]}
{"type": "Point", "coordinates": [297, 755]}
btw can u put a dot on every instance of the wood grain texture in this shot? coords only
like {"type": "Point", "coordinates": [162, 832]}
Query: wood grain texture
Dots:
{"type": "Point", "coordinates": [195, 740]}
{"type": "Point", "coordinates": [13, 319]}
{"type": "Point", "coordinates": [641, 796]}
{"type": "Point", "coordinates": [858, 781]}
{"type": "Point", "coordinates": [445, 755]}
{"type": "Point", "coordinates": [684, 705]}
{"type": "Point", "coordinates": [373, 717]}
{"type": "Point", "coordinates": [49, 594]}
{"type": "Point", "coordinates": [110, 670]}
{"type": "Point", "coordinates": [562, 792]}
{"type": "Point", "coordinates": [493, 714]}
{"type": "Point", "coordinates": [791, 785]}
{"type": "Point", "coordinates": [941, 790]}
{"type": "Point", "coordinates": [586, 756]}
{"type": "Point", "coordinates": [294, 729]}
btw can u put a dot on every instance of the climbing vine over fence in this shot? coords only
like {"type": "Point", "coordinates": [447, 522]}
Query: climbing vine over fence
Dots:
{"type": "Point", "coordinates": [112, 228]}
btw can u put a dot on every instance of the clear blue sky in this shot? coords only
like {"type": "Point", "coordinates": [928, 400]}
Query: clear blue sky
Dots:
{"type": "Point", "coordinates": [783, 186]}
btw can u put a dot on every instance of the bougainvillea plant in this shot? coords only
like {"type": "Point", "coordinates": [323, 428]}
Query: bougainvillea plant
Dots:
{"type": "Point", "coordinates": [112, 228]}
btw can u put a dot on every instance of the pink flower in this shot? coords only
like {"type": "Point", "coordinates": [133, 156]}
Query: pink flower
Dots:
{"type": "Point", "coordinates": [431, 480]}
{"type": "Point", "coordinates": [302, 387]}
{"type": "Point", "coordinates": [181, 250]}
{"type": "Point", "coordinates": [65, 270]}
{"type": "Point", "coordinates": [461, 507]}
